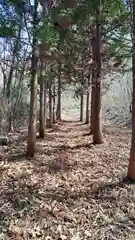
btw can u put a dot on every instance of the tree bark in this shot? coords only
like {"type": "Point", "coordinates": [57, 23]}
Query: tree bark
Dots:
{"type": "Point", "coordinates": [41, 114]}
{"type": "Point", "coordinates": [50, 104]}
{"type": "Point", "coordinates": [92, 94]}
{"type": "Point", "coordinates": [97, 130]}
{"type": "Point", "coordinates": [58, 113]}
{"type": "Point", "coordinates": [45, 103]}
{"type": "Point", "coordinates": [81, 99]}
{"type": "Point", "coordinates": [10, 121]}
{"type": "Point", "coordinates": [31, 144]}
{"type": "Point", "coordinates": [54, 104]}
{"type": "Point", "coordinates": [93, 81]}
{"type": "Point", "coordinates": [81, 107]}
{"type": "Point", "coordinates": [88, 102]}
{"type": "Point", "coordinates": [131, 166]}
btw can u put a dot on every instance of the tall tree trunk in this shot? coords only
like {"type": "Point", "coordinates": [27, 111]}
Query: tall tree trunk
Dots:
{"type": "Point", "coordinates": [97, 131]}
{"type": "Point", "coordinates": [41, 114]}
{"type": "Point", "coordinates": [50, 104]}
{"type": "Point", "coordinates": [58, 113]}
{"type": "Point", "coordinates": [31, 145]}
{"type": "Point", "coordinates": [10, 121]}
{"type": "Point", "coordinates": [88, 102]}
{"type": "Point", "coordinates": [81, 99]}
{"type": "Point", "coordinates": [54, 104]}
{"type": "Point", "coordinates": [131, 166]}
{"type": "Point", "coordinates": [9, 91]}
{"type": "Point", "coordinates": [92, 89]}
{"type": "Point", "coordinates": [81, 107]}
{"type": "Point", "coordinates": [45, 103]}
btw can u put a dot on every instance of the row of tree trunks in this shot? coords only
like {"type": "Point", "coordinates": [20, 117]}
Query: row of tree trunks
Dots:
{"type": "Point", "coordinates": [95, 127]}
{"type": "Point", "coordinates": [8, 84]}
{"type": "Point", "coordinates": [95, 95]}
{"type": "Point", "coordinates": [31, 144]}
{"type": "Point", "coordinates": [95, 117]}
{"type": "Point", "coordinates": [43, 123]}
{"type": "Point", "coordinates": [52, 106]}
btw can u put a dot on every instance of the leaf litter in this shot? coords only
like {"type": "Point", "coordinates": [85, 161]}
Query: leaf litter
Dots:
{"type": "Point", "coordinates": [71, 190]}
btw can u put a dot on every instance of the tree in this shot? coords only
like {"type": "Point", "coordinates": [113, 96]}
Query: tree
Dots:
{"type": "Point", "coordinates": [131, 166]}
{"type": "Point", "coordinates": [54, 102]}
{"type": "Point", "coordinates": [41, 115]}
{"type": "Point", "coordinates": [31, 145]}
{"type": "Point", "coordinates": [88, 101]}
{"type": "Point", "coordinates": [45, 96]}
{"type": "Point", "coordinates": [82, 95]}
{"type": "Point", "coordinates": [58, 113]}
{"type": "Point", "coordinates": [65, 41]}
{"type": "Point", "coordinates": [50, 123]}
{"type": "Point", "coordinates": [96, 81]}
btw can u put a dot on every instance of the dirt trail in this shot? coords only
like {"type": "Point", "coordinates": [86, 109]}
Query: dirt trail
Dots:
{"type": "Point", "coordinates": [70, 189]}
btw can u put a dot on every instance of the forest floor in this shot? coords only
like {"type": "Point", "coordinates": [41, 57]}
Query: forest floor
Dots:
{"type": "Point", "coordinates": [71, 190]}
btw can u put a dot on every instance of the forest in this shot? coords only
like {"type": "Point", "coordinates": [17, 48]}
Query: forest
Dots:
{"type": "Point", "coordinates": [67, 119]}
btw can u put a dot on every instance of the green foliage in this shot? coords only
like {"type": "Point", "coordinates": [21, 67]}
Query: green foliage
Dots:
{"type": "Point", "coordinates": [9, 18]}
{"type": "Point", "coordinates": [78, 91]}
{"type": "Point", "coordinates": [6, 32]}
{"type": "Point", "coordinates": [47, 33]}
{"type": "Point", "coordinates": [66, 12]}
{"type": "Point", "coordinates": [7, 29]}
{"type": "Point", "coordinates": [18, 4]}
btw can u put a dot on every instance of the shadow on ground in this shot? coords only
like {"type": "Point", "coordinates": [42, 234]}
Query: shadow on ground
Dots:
{"type": "Point", "coordinates": [65, 184]}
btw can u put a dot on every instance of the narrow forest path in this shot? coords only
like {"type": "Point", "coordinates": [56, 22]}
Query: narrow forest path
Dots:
{"type": "Point", "coordinates": [70, 189]}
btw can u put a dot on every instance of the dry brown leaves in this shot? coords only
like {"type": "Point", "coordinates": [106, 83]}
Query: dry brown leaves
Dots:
{"type": "Point", "coordinates": [71, 190]}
